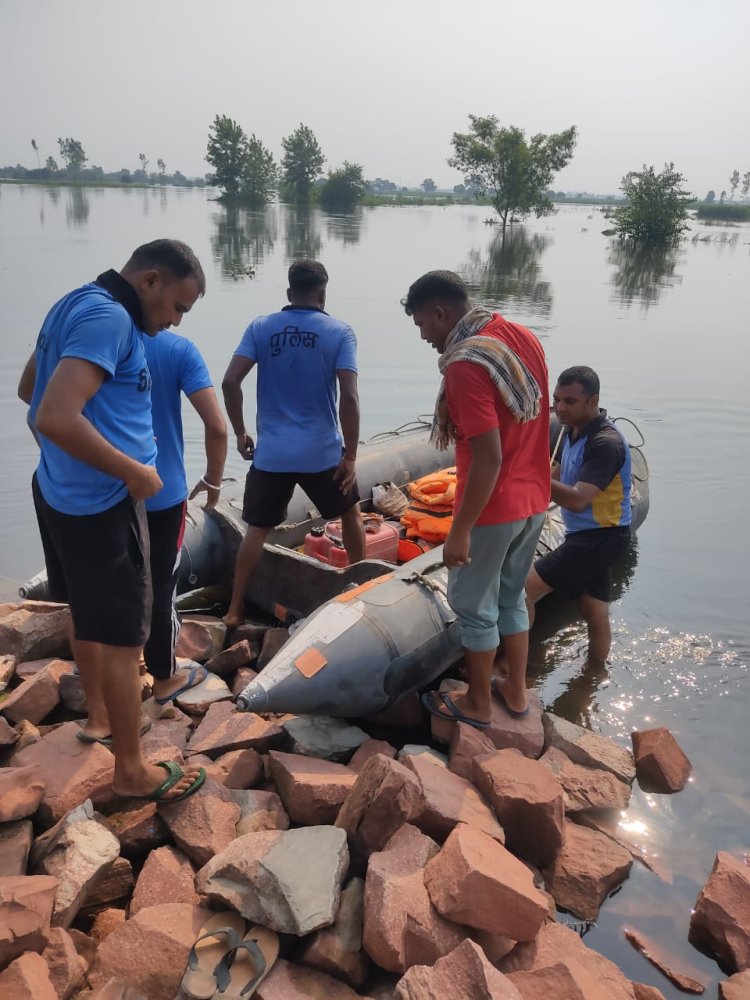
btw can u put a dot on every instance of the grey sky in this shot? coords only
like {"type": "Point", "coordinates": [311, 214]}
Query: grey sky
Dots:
{"type": "Point", "coordinates": [384, 84]}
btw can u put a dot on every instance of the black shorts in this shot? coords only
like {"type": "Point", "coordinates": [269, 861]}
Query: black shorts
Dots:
{"type": "Point", "coordinates": [582, 564]}
{"type": "Point", "coordinates": [267, 495]}
{"type": "Point", "coordinates": [99, 564]}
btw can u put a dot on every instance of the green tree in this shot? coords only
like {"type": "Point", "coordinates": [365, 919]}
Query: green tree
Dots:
{"type": "Point", "coordinates": [428, 185]}
{"type": "Point", "coordinates": [259, 175]}
{"type": "Point", "coordinates": [514, 171]}
{"type": "Point", "coordinates": [161, 165]}
{"type": "Point", "coordinates": [344, 188]}
{"type": "Point", "coordinates": [36, 150]}
{"type": "Point", "coordinates": [51, 165]}
{"type": "Point", "coordinates": [144, 161]}
{"type": "Point", "coordinates": [734, 182]}
{"type": "Point", "coordinates": [711, 196]}
{"type": "Point", "coordinates": [302, 162]}
{"type": "Point", "coordinates": [745, 184]}
{"type": "Point", "coordinates": [73, 155]}
{"type": "Point", "coordinates": [227, 153]}
{"type": "Point", "coordinates": [656, 212]}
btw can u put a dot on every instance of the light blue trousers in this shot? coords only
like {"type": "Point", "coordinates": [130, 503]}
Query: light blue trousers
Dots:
{"type": "Point", "coordinates": [488, 594]}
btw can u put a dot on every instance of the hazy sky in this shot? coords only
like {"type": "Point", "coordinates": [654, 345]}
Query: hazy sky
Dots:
{"type": "Point", "coordinates": [384, 84]}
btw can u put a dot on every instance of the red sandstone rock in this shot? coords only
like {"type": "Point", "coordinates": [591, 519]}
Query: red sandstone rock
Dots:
{"type": "Point", "coordinates": [587, 748]}
{"type": "Point", "coordinates": [643, 992]}
{"type": "Point", "coordinates": [401, 927]}
{"type": "Point", "coordinates": [504, 732]}
{"type": "Point", "coordinates": [311, 789]}
{"type": "Point", "coordinates": [528, 802]}
{"type": "Point", "coordinates": [654, 954]}
{"type": "Point", "coordinates": [27, 668]}
{"type": "Point", "coordinates": [15, 844]}
{"type": "Point", "coordinates": [369, 749]}
{"type": "Point", "coordinates": [34, 629]}
{"type": "Point", "coordinates": [106, 922]}
{"type": "Point", "coordinates": [7, 670]}
{"type": "Point", "coordinates": [149, 952]}
{"type": "Point", "coordinates": [384, 797]}
{"type": "Point", "coordinates": [201, 637]}
{"type": "Point", "coordinates": [138, 827]}
{"type": "Point", "coordinates": [293, 982]}
{"type": "Point", "coordinates": [229, 660]}
{"type": "Point", "coordinates": [720, 923]}
{"type": "Point", "coordinates": [239, 769]}
{"type": "Point", "coordinates": [241, 680]}
{"type": "Point", "coordinates": [224, 729]}
{"type": "Point", "coordinates": [338, 949]}
{"type": "Point", "coordinates": [259, 810]}
{"type": "Point", "coordinates": [84, 944]}
{"type": "Point", "coordinates": [35, 698]}
{"type": "Point", "coordinates": [406, 713]}
{"type": "Point", "coordinates": [26, 735]}
{"type": "Point", "coordinates": [73, 695]}
{"type": "Point", "coordinates": [475, 881]}
{"type": "Point", "coordinates": [73, 771]}
{"type": "Point", "coordinates": [466, 744]}
{"type": "Point", "coordinates": [586, 788]}
{"type": "Point", "coordinates": [115, 989]}
{"type": "Point", "coordinates": [449, 800]}
{"type": "Point", "coordinates": [273, 640]}
{"type": "Point", "coordinates": [587, 868]}
{"type": "Point", "coordinates": [737, 987]}
{"type": "Point", "coordinates": [166, 877]}
{"type": "Point", "coordinates": [27, 978]}
{"type": "Point", "coordinates": [26, 904]}
{"type": "Point", "coordinates": [566, 979]}
{"type": "Point", "coordinates": [8, 735]}
{"type": "Point", "coordinates": [464, 973]}
{"type": "Point", "coordinates": [114, 884]}
{"type": "Point", "coordinates": [203, 824]}
{"type": "Point", "coordinates": [65, 966]}
{"type": "Point", "coordinates": [660, 764]}
{"type": "Point", "coordinates": [21, 790]}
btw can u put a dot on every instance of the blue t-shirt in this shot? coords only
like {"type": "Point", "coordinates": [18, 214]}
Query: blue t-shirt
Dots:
{"type": "Point", "coordinates": [176, 366]}
{"type": "Point", "coordinates": [89, 324]}
{"type": "Point", "coordinates": [600, 456]}
{"type": "Point", "coordinates": [298, 352]}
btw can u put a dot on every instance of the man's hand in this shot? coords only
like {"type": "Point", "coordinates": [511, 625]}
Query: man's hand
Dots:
{"type": "Point", "coordinates": [245, 446]}
{"type": "Point", "coordinates": [143, 482]}
{"type": "Point", "coordinates": [345, 475]}
{"type": "Point", "coordinates": [456, 548]}
{"type": "Point", "coordinates": [212, 495]}
{"type": "Point", "coordinates": [555, 472]}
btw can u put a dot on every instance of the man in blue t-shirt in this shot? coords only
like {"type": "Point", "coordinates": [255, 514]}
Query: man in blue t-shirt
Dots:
{"type": "Point", "coordinates": [90, 409]}
{"type": "Point", "coordinates": [176, 367]}
{"type": "Point", "coordinates": [592, 485]}
{"type": "Point", "coordinates": [300, 352]}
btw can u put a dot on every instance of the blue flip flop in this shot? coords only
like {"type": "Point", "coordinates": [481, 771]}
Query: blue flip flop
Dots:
{"type": "Point", "coordinates": [191, 683]}
{"type": "Point", "coordinates": [497, 688]}
{"type": "Point", "coordinates": [456, 715]}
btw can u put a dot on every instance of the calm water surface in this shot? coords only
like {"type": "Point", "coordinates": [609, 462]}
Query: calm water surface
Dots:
{"type": "Point", "coordinates": [668, 334]}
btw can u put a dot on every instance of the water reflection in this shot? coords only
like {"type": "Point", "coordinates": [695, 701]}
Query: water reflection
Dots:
{"type": "Point", "coordinates": [347, 228]}
{"type": "Point", "coordinates": [301, 232]}
{"type": "Point", "coordinates": [510, 271]}
{"type": "Point", "coordinates": [642, 272]}
{"type": "Point", "coordinates": [78, 207]}
{"type": "Point", "coordinates": [241, 239]}
{"type": "Point", "coordinates": [54, 194]}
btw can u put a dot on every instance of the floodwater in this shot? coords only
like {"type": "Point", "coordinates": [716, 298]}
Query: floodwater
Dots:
{"type": "Point", "coordinates": [668, 334]}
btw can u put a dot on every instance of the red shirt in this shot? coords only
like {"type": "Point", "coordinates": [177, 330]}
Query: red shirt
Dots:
{"type": "Point", "coordinates": [475, 407]}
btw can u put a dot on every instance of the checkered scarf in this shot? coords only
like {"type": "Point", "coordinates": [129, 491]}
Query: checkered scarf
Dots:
{"type": "Point", "coordinates": [517, 386]}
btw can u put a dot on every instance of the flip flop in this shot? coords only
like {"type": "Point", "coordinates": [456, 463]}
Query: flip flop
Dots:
{"type": "Point", "coordinates": [106, 741]}
{"type": "Point", "coordinates": [191, 683]}
{"type": "Point", "coordinates": [219, 935]}
{"type": "Point", "coordinates": [456, 715]}
{"type": "Point", "coordinates": [497, 686]}
{"type": "Point", "coordinates": [243, 969]}
{"type": "Point", "coordinates": [174, 773]}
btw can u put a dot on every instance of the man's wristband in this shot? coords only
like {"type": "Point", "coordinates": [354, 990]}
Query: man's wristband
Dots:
{"type": "Point", "coordinates": [210, 485]}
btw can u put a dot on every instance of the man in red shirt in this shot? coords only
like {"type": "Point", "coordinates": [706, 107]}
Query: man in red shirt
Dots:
{"type": "Point", "coordinates": [494, 403]}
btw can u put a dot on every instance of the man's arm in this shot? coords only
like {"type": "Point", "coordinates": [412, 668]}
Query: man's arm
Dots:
{"type": "Point", "coordinates": [60, 419]}
{"type": "Point", "coordinates": [575, 498]}
{"type": "Point", "coordinates": [345, 475]}
{"type": "Point", "coordinates": [28, 378]}
{"type": "Point", "coordinates": [231, 386]}
{"type": "Point", "coordinates": [603, 459]}
{"type": "Point", "coordinates": [206, 405]}
{"type": "Point", "coordinates": [486, 462]}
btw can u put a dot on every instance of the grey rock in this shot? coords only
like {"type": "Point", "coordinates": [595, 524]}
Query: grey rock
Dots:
{"type": "Point", "coordinates": [589, 749]}
{"type": "Point", "coordinates": [417, 750]}
{"type": "Point", "coordinates": [325, 737]}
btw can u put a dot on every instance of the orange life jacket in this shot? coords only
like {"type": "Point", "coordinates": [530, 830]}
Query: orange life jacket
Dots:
{"type": "Point", "coordinates": [430, 514]}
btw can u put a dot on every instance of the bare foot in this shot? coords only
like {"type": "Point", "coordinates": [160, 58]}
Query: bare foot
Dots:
{"type": "Point", "coordinates": [151, 778]}
{"type": "Point", "coordinates": [233, 620]}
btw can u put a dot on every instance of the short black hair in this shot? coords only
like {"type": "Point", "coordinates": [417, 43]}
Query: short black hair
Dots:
{"type": "Point", "coordinates": [435, 286]}
{"type": "Point", "coordinates": [170, 255]}
{"type": "Point", "coordinates": [585, 376]}
{"type": "Point", "coordinates": [307, 275]}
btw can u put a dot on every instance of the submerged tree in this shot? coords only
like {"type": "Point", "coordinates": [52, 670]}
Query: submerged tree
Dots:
{"type": "Point", "coordinates": [302, 162]}
{"type": "Point", "coordinates": [260, 174]}
{"type": "Point", "coordinates": [51, 165]}
{"type": "Point", "coordinates": [227, 153]}
{"type": "Point", "coordinates": [344, 188]}
{"type": "Point", "coordinates": [656, 212]}
{"type": "Point", "coordinates": [161, 166]}
{"type": "Point", "coordinates": [745, 184]}
{"type": "Point", "coordinates": [72, 153]}
{"type": "Point", "coordinates": [734, 182]}
{"type": "Point", "coordinates": [428, 185]}
{"type": "Point", "coordinates": [514, 171]}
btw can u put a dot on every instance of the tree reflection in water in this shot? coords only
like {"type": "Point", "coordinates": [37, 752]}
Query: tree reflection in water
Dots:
{"type": "Point", "coordinates": [347, 228]}
{"type": "Point", "coordinates": [642, 272]}
{"type": "Point", "coordinates": [510, 272]}
{"type": "Point", "coordinates": [240, 240]}
{"type": "Point", "coordinates": [301, 232]}
{"type": "Point", "coordinates": [78, 207]}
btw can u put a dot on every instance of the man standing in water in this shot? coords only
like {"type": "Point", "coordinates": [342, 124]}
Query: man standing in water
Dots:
{"type": "Point", "coordinates": [494, 403]}
{"type": "Point", "coordinates": [300, 352]}
{"type": "Point", "coordinates": [91, 411]}
{"type": "Point", "coordinates": [592, 484]}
